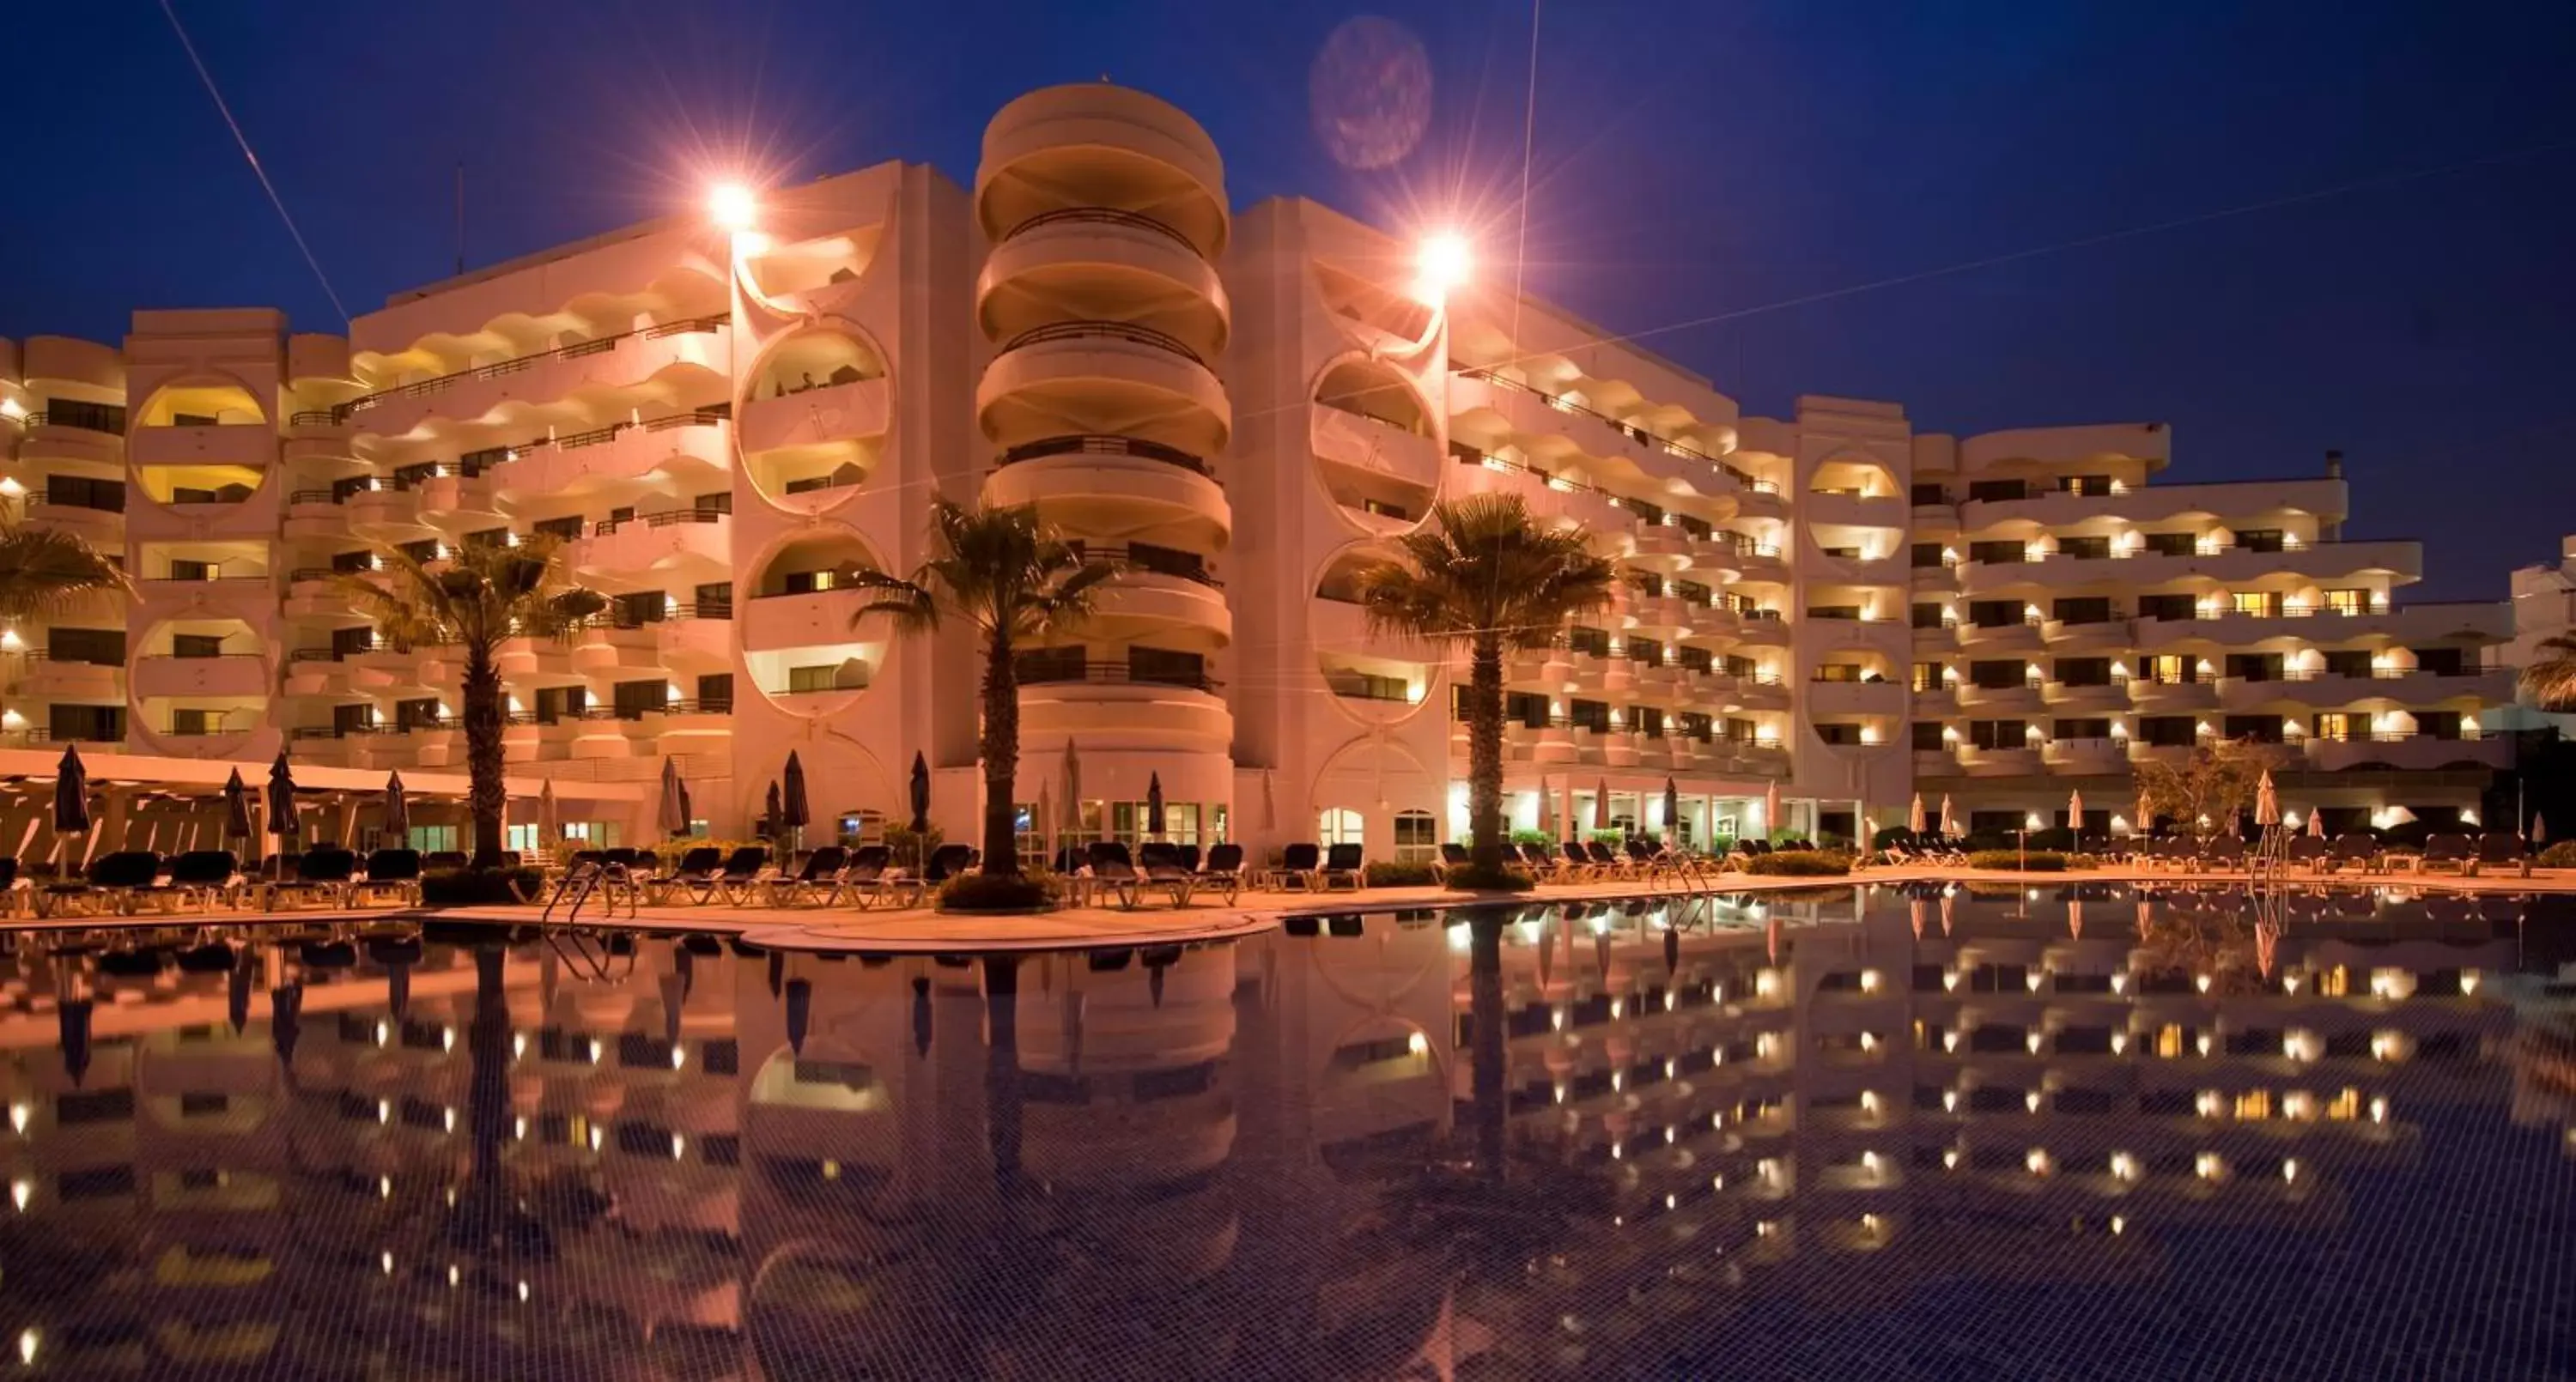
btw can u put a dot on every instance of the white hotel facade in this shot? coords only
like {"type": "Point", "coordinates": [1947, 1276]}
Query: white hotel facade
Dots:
{"type": "Point", "coordinates": [1239, 408]}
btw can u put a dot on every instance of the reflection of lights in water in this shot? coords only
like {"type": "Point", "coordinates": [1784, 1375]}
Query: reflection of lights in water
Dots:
{"type": "Point", "coordinates": [17, 1118]}
{"type": "Point", "coordinates": [1369, 92]}
{"type": "Point", "coordinates": [2119, 1225]}
{"type": "Point", "coordinates": [679, 1057]}
{"type": "Point", "coordinates": [385, 1263]}
{"type": "Point", "coordinates": [28, 1340]}
{"type": "Point", "coordinates": [20, 1191]}
{"type": "Point", "coordinates": [1415, 1043]}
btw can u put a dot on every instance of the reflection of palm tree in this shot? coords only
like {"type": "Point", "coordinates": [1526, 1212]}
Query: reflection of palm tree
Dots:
{"type": "Point", "coordinates": [1002, 1091]}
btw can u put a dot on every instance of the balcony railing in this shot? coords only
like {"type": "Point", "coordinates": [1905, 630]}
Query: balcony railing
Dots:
{"type": "Point", "coordinates": [615, 618]}
{"type": "Point", "coordinates": [108, 418]}
{"type": "Point", "coordinates": [323, 417]}
{"type": "Point", "coordinates": [667, 518]}
{"type": "Point", "coordinates": [1153, 561]}
{"type": "Point", "coordinates": [1098, 215]}
{"type": "Point", "coordinates": [1628, 429]}
{"type": "Point", "coordinates": [1099, 445]}
{"type": "Point", "coordinates": [1056, 673]}
{"type": "Point", "coordinates": [1112, 331]}
{"type": "Point", "coordinates": [422, 388]}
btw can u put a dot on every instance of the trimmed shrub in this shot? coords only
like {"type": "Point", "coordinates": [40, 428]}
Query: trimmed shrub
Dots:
{"type": "Point", "coordinates": [1386, 873]}
{"type": "Point", "coordinates": [481, 887]}
{"type": "Point", "coordinates": [2037, 861]}
{"type": "Point", "coordinates": [1531, 837]}
{"type": "Point", "coordinates": [2561, 855]}
{"type": "Point", "coordinates": [1799, 863]}
{"type": "Point", "coordinates": [998, 892]}
{"type": "Point", "coordinates": [1474, 880]}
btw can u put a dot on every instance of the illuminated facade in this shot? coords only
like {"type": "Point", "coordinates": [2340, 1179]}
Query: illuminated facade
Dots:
{"type": "Point", "coordinates": [1238, 409]}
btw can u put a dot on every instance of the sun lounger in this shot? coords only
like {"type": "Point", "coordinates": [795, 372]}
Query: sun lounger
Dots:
{"type": "Point", "coordinates": [2501, 851]}
{"type": "Point", "coordinates": [1223, 870]}
{"type": "Point", "coordinates": [819, 877]}
{"type": "Point", "coordinates": [1298, 864]}
{"type": "Point", "coordinates": [1343, 865]}
{"type": "Point", "coordinates": [2445, 851]}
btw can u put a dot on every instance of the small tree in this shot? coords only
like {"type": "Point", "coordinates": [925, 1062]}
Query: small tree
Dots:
{"type": "Point", "coordinates": [2216, 778]}
{"type": "Point", "coordinates": [475, 600]}
{"type": "Point", "coordinates": [1008, 574]}
{"type": "Point", "coordinates": [2551, 678]}
{"type": "Point", "coordinates": [1485, 575]}
{"type": "Point", "coordinates": [44, 571]}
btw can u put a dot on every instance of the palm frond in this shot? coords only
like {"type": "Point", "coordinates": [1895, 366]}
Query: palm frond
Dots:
{"type": "Point", "coordinates": [46, 570]}
{"type": "Point", "coordinates": [910, 606]}
{"type": "Point", "coordinates": [2550, 680]}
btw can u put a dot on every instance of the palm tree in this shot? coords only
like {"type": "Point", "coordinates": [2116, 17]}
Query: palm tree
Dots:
{"type": "Point", "coordinates": [475, 599]}
{"type": "Point", "coordinates": [44, 571]}
{"type": "Point", "coordinates": [2551, 678]}
{"type": "Point", "coordinates": [1009, 575]}
{"type": "Point", "coordinates": [1484, 574]}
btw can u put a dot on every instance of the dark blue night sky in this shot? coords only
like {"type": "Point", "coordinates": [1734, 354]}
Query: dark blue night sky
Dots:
{"type": "Point", "coordinates": [1692, 160]}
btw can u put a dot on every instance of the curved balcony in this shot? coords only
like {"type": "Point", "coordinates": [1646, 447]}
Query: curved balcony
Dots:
{"type": "Point", "coordinates": [610, 649]}
{"type": "Point", "coordinates": [1762, 628]}
{"type": "Point", "coordinates": [2030, 576]}
{"type": "Point", "coordinates": [2407, 752]}
{"type": "Point", "coordinates": [1663, 546]}
{"type": "Point", "coordinates": [655, 549]}
{"type": "Point", "coordinates": [1870, 511]}
{"type": "Point", "coordinates": [1106, 706]}
{"type": "Point", "coordinates": [1935, 762]}
{"type": "Point", "coordinates": [1847, 698]}
{"type": "Point", "coordinates": [316, 672]}
{"type": "Point", "coordinates": [1762, 691]}
{"type": "Point", "coordinates": [386, 514]}
{"type": "Point", "coordinates": [696, 638]}
{"type": "Point", "coordinates": [1159, 604]}
{"type": "Point", "coordinates": [1093, 483]}
{"type": "Point", "coordinates": [2150, 694]}
{"type": "Point", "coordinates": [1666, 614]}
{"type": "Point", "coordinates": [458, 503]}
{"type": "Point", "coordinates": [2106, 699]}
{"type": "Point", "coordinates": [1999, 638]}
{"type": "Point", "coordinates": [41, 677]}
{"type": "Point", "coordinates": [605, 363]}
{"type": "Point", "coordinates": [2020, 698]}
{"type": "Point", "coordinates": [576, 464]}
{"type": "Point", "coordinates": [1762, 760]}
{"type": "Point", "coordinates": [1712, 621]}
{"type": "Point", "coordinates": [225, 674]}
{"type": "Point", "coordinates": [2072, 757]}
{"type": "Point", "coordinates": [1095, 144]}
{"type": "Point", "coordinates": [92, 432]}
{"type": "Point", "coordinates": [1099, 377]}
{"type": "Point", "coordinates": [1601, 675]}
{"type": "Point", "coordinates": [1938, 580]}
{"type": "Point", "coordinates": [243, 445]}
{"type": "Point", "coordinates": [1366, 464]}
{"type": "Point", "coordinates": [389, 672]}
{"type": "Point", "coordinates": [314, 515]}
{"type": "Point", "coordinates": [2097, 636]}
{"type": "Point", "coordinates": [1760, 561]}
{"type": "Point", "coordinates": [1086, 260]}
{"type": "Point", "coordinates": [102, 527]}
{"type": "Point", "coordinates": [2020, 762]}
{"type": "Point", "coordinates": [230, 593]}
{"type": "Point", "coordinates": [1941, 702]}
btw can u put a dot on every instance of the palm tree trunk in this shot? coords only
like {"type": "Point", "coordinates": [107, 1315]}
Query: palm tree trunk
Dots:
{"type": "Point", "coordinates": [1001, 757]}
{"type": "Point", "coordinates": [1485, 753]}
{"type": "Point", "coordinates": [484, 795]}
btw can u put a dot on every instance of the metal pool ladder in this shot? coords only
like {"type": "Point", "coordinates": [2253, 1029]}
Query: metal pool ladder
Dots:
{"type": "Point", "coordinates": [609, 882]}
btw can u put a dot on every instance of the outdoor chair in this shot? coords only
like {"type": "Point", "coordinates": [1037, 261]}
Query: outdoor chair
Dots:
{"type": "Point", "coordinates": [394, 871]}
{"type": "Point", "coordinates": [1453, 857]}
{"type": "Point", "coordinates": [1189, 856]}
{"type": "Point", "coordinates": [2500, 850]}
{"type": "Point", "coordinates": [1161, 867]}
{"type": "Point", "coordinates": [738, 879]}
{"type": "Point", "coordinates": [1538, 859]}
{"type": "Point", "coordinates": [2307, 851]}
{"type": "Point", "coordinates": [694, 874]}
{"type": "Point", "coordinates": [1607, 860]}
{"type": "Point", "coordinates": [1343, 867]}
{"type": "Point", "coordinates": [1577, 863]}
{"type": "Point", "coordinates": [445, 859]}
{"type": "Point", "coordinates": [1297, 866]}
{"type": "Point", "coordinates": [819, 875]}
{"type": "Point", "coordinates": [2445, 851]}
{"type": "Point", "coordinates": [321, 873]}
{"type": "Point", "coordinates": [870, 878]}
{"type": "Point", "coordinates": [946, 862]}
{"type": "Point", "coordinates": [1112, 867]}
{"type": "Point", "coordinates": [2222, 853]}
{"type": "Point", "coordinates": [210, 877]}
{"type": "Point", "coordinates": [110, 884]}
{"type": "Point", "coordinates": [1223, 870]}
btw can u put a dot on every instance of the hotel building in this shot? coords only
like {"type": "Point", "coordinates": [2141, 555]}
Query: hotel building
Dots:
{"type": "Point", "coordinates": [1239, 409]}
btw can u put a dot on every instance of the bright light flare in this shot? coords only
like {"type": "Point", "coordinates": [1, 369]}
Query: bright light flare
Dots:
{"type": "Point", "coordinates": [1443, 265]}
{"type": "Point", "coordinates": [732, 206]}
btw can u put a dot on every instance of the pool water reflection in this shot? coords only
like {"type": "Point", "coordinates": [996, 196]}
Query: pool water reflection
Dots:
{"type": "Point", "coordinates": [1845, 1132]}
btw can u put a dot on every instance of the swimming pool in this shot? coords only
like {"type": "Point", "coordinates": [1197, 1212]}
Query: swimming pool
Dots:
{"type": "Point", "coordinates": [1874, 1131]}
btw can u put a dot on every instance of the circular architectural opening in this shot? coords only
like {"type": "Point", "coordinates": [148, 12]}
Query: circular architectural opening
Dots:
{"type": "Point", "coordinates": [814, 419]}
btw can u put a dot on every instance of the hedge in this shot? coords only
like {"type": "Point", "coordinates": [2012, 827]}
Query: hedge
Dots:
{"type": "Point", "coordinates": [1387, 873]}
{"type": "Point", "coordinates": [2561, 855]}
{"type": "Point", "coordinates": [2036, 861]}
{"type": "Point", "coordinates": [1799, 863]}
{"type": "Point", "coordinates": [1472, 879]}
{"type": "Point", "coordinates": [998, 892]}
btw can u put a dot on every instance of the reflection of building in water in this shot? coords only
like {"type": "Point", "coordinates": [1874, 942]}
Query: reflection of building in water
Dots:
{"type": "Point", "coordinates": [1360, 1147]}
